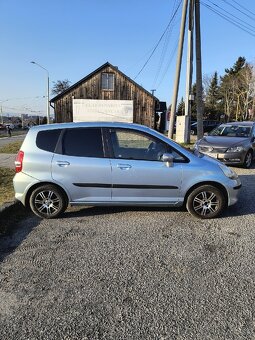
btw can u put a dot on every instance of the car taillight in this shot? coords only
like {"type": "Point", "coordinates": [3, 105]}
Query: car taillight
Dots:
{"type": "Point", "coordinates": [19, 161]}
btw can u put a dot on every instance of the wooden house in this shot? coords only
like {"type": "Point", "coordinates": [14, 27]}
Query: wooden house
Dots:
{"type": "Point", "coordinates": [107, 83]}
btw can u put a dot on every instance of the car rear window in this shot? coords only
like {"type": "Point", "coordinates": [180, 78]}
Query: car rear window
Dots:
{"type": "Point", "coordinates": [47, 140]}
{"type": "Point", "coordinates": [83, 142]}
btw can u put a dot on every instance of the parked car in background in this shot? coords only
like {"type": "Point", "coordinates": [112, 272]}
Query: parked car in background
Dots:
{"type": "Point", "coordinates": [208, 126]}
{"type": "Point", "coordinates": [10, 125]}
{"type": "Point", "coordinates": [117, 164]}
{"type": "Point", "coordinates": [231, 143]}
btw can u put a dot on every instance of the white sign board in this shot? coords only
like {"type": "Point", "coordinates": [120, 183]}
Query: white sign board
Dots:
{"type": "Point", "coordinates": [94, 110]}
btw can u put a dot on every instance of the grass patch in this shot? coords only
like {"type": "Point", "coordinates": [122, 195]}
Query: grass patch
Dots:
{"type": "Point", "coordinates": [11, 147]}
{"type": "Point", "coordinates": [187, 145]}
{"type": "Point", "coordinates": [6, 186]}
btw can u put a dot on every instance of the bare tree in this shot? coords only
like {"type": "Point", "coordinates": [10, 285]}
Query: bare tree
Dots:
{"type": "Point", "coordinates": [60, 86]}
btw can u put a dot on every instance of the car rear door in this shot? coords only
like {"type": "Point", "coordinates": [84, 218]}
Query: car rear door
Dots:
{"type": "Point", "coordinates": [80, 165]}
{"type": "Point", "coordinates": [138, 174]}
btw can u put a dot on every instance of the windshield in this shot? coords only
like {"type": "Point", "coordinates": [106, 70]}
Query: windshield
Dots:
{"type": "Point", "coordinates": [231, 131]}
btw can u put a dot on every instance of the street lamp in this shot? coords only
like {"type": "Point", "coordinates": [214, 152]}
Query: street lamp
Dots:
{"type": "Point", "coordinates": [48, 90]}
{"type": "Point", "coordinates": [1, 111]}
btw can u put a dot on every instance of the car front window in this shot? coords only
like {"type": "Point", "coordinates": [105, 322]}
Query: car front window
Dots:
{"type": "Point", "coordinates": [231, 131]}
{"type": "Point", "coordinates": [128, 144]}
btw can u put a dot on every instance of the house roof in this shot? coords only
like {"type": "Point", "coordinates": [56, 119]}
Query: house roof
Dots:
{"type": "Point", "coordinates": [107, 64]}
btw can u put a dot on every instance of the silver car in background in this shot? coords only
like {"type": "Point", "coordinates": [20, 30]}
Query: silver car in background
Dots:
{"type": "Point", "coordinates": [231, 143]}
{"type": "Point", "coordinates": [117, 164]}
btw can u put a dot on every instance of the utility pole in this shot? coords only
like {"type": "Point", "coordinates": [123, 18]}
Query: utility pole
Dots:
{"type": "Point", "coordinates": [178, 70]}
{"type": "Point", "coordinates": [2, 120]}
{"type": "Point", "coordinates": [189, 71]}
{"type": "Point", "coordinates": [200, 106]}
{"type": "Point", "coordinates": [47, 93]}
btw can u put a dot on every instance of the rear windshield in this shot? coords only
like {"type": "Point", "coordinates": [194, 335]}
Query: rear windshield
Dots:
{"type": "Point", "coordinates": [47, 140]}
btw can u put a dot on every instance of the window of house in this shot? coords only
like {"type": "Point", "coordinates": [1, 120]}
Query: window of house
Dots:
{"type": "Point", "coordinates": [107, 81]}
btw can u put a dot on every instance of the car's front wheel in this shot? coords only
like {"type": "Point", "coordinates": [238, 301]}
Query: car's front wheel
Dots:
{"type": "Point", "coordinates": [206, 201]}
{"type": "Point", "coordinates": [248, 160]}
{"type": "Point", "coordinates": [48, 201]}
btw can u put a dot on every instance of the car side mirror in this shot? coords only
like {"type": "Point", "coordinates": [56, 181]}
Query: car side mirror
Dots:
{"type": "Point", "coordinates": [168, 159]}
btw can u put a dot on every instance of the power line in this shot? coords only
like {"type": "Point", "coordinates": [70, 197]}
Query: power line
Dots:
{"type": "Point", "coordinates": [238, 9]}
{"type": "Point", "coordinates": [20, 98]}
{"type": "Point", "coordinates": [165, 48]}
{"type": "Point", "coordinates": [234, 16]}
{"type": "Point", "coordinates": [227, 18]}
{"type": "Point", "coordinates": [24, 109]}
{"type": "Point", "coordinates": [172, 54]}
{"type": "Point", "coordinates": [153, 51]}
{"type": "Point", "coordinates": [246, 9]}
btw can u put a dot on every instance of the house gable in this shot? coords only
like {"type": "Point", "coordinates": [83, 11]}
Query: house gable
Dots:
{"type": "Point", "coordinates": [107, 83]}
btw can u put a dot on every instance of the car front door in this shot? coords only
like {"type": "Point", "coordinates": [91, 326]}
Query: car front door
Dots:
{"type": "Point", "coordinates": [80, 166]}
{"type": "Point", "coordinates": [138, 173]}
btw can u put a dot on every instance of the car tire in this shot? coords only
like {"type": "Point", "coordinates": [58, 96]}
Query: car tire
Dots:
{"type": "Point", "coordinates": [48, 201]}
{"type": "Point", "coordinates": [248, 160]}
{"type": "Point", "coordinates": [206, 202]}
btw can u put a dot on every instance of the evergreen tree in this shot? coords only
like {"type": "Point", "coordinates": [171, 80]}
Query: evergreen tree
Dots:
{"type": "Point", "coordinates": [181, 108]}
{"type": "Point", "coordinates": [238, 65]}
{"type": "Point", "coordinates": [212, 98]}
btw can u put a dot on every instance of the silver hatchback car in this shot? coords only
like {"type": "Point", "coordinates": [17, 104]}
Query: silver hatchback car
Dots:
{"type": "Point", "coordinates": [117, 164]}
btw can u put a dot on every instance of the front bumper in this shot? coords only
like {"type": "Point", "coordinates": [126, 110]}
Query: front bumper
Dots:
{"type": "Point", "coordinates": [228, 158]}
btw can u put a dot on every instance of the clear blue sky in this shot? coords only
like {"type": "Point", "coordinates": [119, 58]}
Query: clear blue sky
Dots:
{"type": "Point", "coordinates": [73, 38]}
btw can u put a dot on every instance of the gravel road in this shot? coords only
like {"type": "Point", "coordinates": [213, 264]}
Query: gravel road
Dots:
{"type": "Point", "coordinates": [117, 273]}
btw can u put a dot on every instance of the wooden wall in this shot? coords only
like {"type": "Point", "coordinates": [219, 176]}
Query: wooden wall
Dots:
{"type": "Point", "coordinates": [124, 89]}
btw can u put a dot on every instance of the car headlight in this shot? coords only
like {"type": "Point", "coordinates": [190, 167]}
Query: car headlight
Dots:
{"type": "Point", "coordinates": [235, 149]}
{"type": "Point", "coordinates": [228, 172]}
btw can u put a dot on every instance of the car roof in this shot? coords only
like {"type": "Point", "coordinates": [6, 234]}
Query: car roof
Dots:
{"type": "Point", "coordinates": [90, 124]}
{"type": "Point", "coordinates": [244, 123]}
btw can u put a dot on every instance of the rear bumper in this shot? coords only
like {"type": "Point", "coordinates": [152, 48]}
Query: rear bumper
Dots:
{"type": "Point", "coordinates": [22, 183]}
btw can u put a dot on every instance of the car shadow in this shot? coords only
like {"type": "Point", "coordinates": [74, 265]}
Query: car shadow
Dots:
{"type": "Point", "coordinates": [245, 205]}
{"type": "Point", "coordinates": [97, 211]}
{"type": "Point", "coordinates": [16, 224]}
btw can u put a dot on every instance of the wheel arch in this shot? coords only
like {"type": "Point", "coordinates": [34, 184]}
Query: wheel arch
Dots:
{"type": "Point", "coordinates": [252, 151]}
{"type": "Point", "coordinates": [37, 185]}
{"type": "Point", "coordinates": [215, 184]}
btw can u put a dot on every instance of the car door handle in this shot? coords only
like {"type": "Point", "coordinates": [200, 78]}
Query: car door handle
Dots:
{"type": "Point", "coordinates": [62, 163]}
{"type": "Point", "coordinates": [124, 166]}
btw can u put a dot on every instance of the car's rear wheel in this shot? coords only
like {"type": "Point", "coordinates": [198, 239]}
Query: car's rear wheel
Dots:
{"type": "Point", "coordinates": [48, 201]}
{"type": "Point", "coordinates": [206, 201]}
{"type": "Point", "coordinates": [248, 160]}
